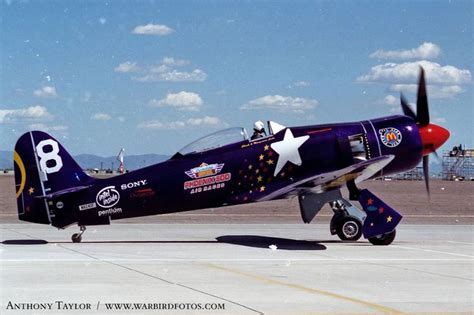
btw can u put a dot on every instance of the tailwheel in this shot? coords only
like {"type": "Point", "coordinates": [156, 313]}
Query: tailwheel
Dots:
{"type": "Point", "coordinates": [349, 229]}
{"type": "Point", "coordinates": [384, 239]}
{"type": "Point", "coordinates": [77, 237]}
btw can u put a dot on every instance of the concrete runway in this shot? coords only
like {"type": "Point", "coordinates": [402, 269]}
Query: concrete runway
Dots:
{"type": "Point", "coordinates": [429, 268]}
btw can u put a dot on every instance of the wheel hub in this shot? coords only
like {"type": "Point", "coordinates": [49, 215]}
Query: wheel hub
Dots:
{"type": "Point", "coordinates": [350, 229]}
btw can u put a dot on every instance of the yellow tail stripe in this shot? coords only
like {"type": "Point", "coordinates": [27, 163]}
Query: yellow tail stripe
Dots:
{"type": "Point", "coordinates": [21, 166]}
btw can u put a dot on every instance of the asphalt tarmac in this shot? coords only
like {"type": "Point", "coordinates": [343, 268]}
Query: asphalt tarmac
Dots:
{"type": "Point", "coordinates": [235, 269]}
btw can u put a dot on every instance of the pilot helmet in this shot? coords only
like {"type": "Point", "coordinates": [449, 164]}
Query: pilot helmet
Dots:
{"type": "Point", "coordinates": [258, 125]}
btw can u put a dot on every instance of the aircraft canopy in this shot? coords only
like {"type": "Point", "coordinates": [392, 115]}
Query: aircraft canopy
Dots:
{"type": "Point", "coordinates": [224, 137]}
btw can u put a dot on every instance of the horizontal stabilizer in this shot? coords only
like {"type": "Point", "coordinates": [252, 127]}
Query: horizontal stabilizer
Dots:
{"type": "Point", "coordinates": [64, 192]}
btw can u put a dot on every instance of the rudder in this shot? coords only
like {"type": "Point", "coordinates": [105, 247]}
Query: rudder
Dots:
{"type": "Point", "coordinates": [42, 167]}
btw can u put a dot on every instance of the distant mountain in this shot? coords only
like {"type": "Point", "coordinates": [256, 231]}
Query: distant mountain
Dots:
{"type": "Point", "coordinates": [90, 161]}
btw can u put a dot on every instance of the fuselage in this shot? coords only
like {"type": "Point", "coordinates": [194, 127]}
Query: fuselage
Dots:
{"type": "Point", "coordinates": [244, 171]}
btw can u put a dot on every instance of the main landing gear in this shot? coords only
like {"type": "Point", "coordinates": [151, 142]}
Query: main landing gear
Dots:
{"type": "Point", "coordinates": [377, 222]}
{"type": "Point", "coordinates": [347, 220]}
{"type": "Point", "coordinates": [77, 237]}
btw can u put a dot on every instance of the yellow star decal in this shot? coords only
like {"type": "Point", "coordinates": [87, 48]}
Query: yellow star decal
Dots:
{"type": "Point", "coordinates": [389, 219]}
{"type": "Point", "coordinates": [259, 179]}
{"type": "Point", "coordinates": [270, 162]}
{"type": "Point", "coordinates": [261, 157]}
{"type": "Point", "coordinates": [262, 188]}
{"type": "Point", "coordinates": [31, 190]}
{"type": "Point", "coordinates": [266, 147]}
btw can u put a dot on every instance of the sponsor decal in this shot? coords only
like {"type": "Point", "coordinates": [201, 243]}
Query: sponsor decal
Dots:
{"type": "Point", "coordinates": [88, 206]}
{"type": "Point", "coordinates": [136, 184]}
{"type": "Point", "coordinates": [142, 193]}
{"type": "Point", "coordinates": [109, 211]}
{"type": "Point", "coordinates": [107, 197]}
{"type": "Point", "coordinates": [207, 188]}
{"type": "Point", "coordinates": [391, 137]}
{"type": "Point", "coordinates": [59, 204]}
{"type": "Point", "coordinates": [205, 170]}
{"type": "Point", "coordinates": [206, 177]}
{"type": "Point", "coordinates": [207, 183]}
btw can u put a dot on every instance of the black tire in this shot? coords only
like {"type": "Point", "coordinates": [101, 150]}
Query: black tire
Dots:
{"type": "Point", "coordinates": [76, 238]}
{"type": "Point", "coordinates": [385, 239]}
{"type": "Point", "coordinates": [349, 229]}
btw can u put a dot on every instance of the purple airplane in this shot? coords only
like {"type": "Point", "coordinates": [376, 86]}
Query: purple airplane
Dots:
{"type": "Point", "coordinates": [227, 168]}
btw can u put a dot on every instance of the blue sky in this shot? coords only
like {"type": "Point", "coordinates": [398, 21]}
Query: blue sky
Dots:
{"type": "Point", "coordinates": [152, 76]}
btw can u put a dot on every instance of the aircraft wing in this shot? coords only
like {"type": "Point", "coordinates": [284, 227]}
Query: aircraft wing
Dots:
{"type": "Point", "coordinates": [328, 181]}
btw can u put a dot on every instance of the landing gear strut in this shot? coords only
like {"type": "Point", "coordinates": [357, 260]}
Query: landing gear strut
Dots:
{"type": "Point", "coordinates": [77, 237]}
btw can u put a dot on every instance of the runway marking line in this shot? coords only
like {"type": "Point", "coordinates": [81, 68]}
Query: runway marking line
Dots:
{"type": "Point", "coordinates": [432, 251]}
{"type": "Point", "coordinates": [377, 307]}
{"type": "Point", "coordinates": [210, 260]}
{"type": "Point", "coordinates": [456, 242]}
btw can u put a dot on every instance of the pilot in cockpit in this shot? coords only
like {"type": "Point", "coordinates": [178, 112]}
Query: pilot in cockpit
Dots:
{"type": "Point", "coordinates": [258, 130]}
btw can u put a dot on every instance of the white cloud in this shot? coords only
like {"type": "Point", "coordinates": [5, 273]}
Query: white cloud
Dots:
{"type": "Point", "coordinates": [441, 120]}
{"type": "Point", "coordinates": [152, 29]}
{"type": "Point", "coordinates": [47, 128]}
{"type": "Point", "coordinates": [206, 121]}
{"type": "Point", "coordinates": [101, 116]}
{"type": "Point", "coordinates": [173, 125]}
{"type": "Point", "coordinates": [127, 66]}
{"type": "Point", "coordinates": [34, 113]}
{"type": "Point", "coordinates": [165, 70]}
{"type": "Point", "coordinates": [196, 75]}
{"type": "Point", "coordinates": [433, 91]}
{"type": "Point", "coordinates": [391, 100]}
{"type": "Point", "coordinates": [424, 51]}
{"type": "Point", "coordinates": [160, 68]}
{"type": "Point", "coordinates": [281, 103]}
{"type": "Point", "coordinates": [182, 100]}
{"type": "Point", "coordinates": [156, 124]}
{"type": "Point", "coordinates": [46, 92]}
{"type": "Point", "coordinates": [170, 61]}
{"type": "Point", "coordinates": [408, 73]}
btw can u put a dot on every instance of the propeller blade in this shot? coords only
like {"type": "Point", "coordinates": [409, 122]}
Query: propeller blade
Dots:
{"type": "Point", "coordinates": [422, 112]}
{"type": "Point", "coordinates": [426, 173]}
{"type": "Point", "coordinates": [406, 108]}
{"type": "Point", "coordinates": [437, 156]}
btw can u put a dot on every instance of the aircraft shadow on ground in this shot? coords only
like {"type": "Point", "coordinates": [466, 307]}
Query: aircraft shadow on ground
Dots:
{"type": "Point", "coordinates": [255, 241]}
{"type": "Point", "coordinates": [25, 242]}
{"type": "Point", "coordinates": [266, 241]}
{"type": "Point", "coordinates": [44, 242]}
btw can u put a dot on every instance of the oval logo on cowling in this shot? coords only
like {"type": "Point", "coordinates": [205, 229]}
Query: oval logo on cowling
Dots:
{"type": "Point", "coordinates": [391, 137]}
{"type": "Point", "coordinates": [107, 197]}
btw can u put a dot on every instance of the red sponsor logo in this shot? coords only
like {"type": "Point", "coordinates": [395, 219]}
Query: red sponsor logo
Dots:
{"type": "Point", "coordinates": [142, 193]}
{"type": "Point", "coordinates": [207, 181]}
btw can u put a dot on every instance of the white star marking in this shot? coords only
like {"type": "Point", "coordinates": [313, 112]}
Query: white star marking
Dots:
{"type": "Point", "coordinates": [287, 150]}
